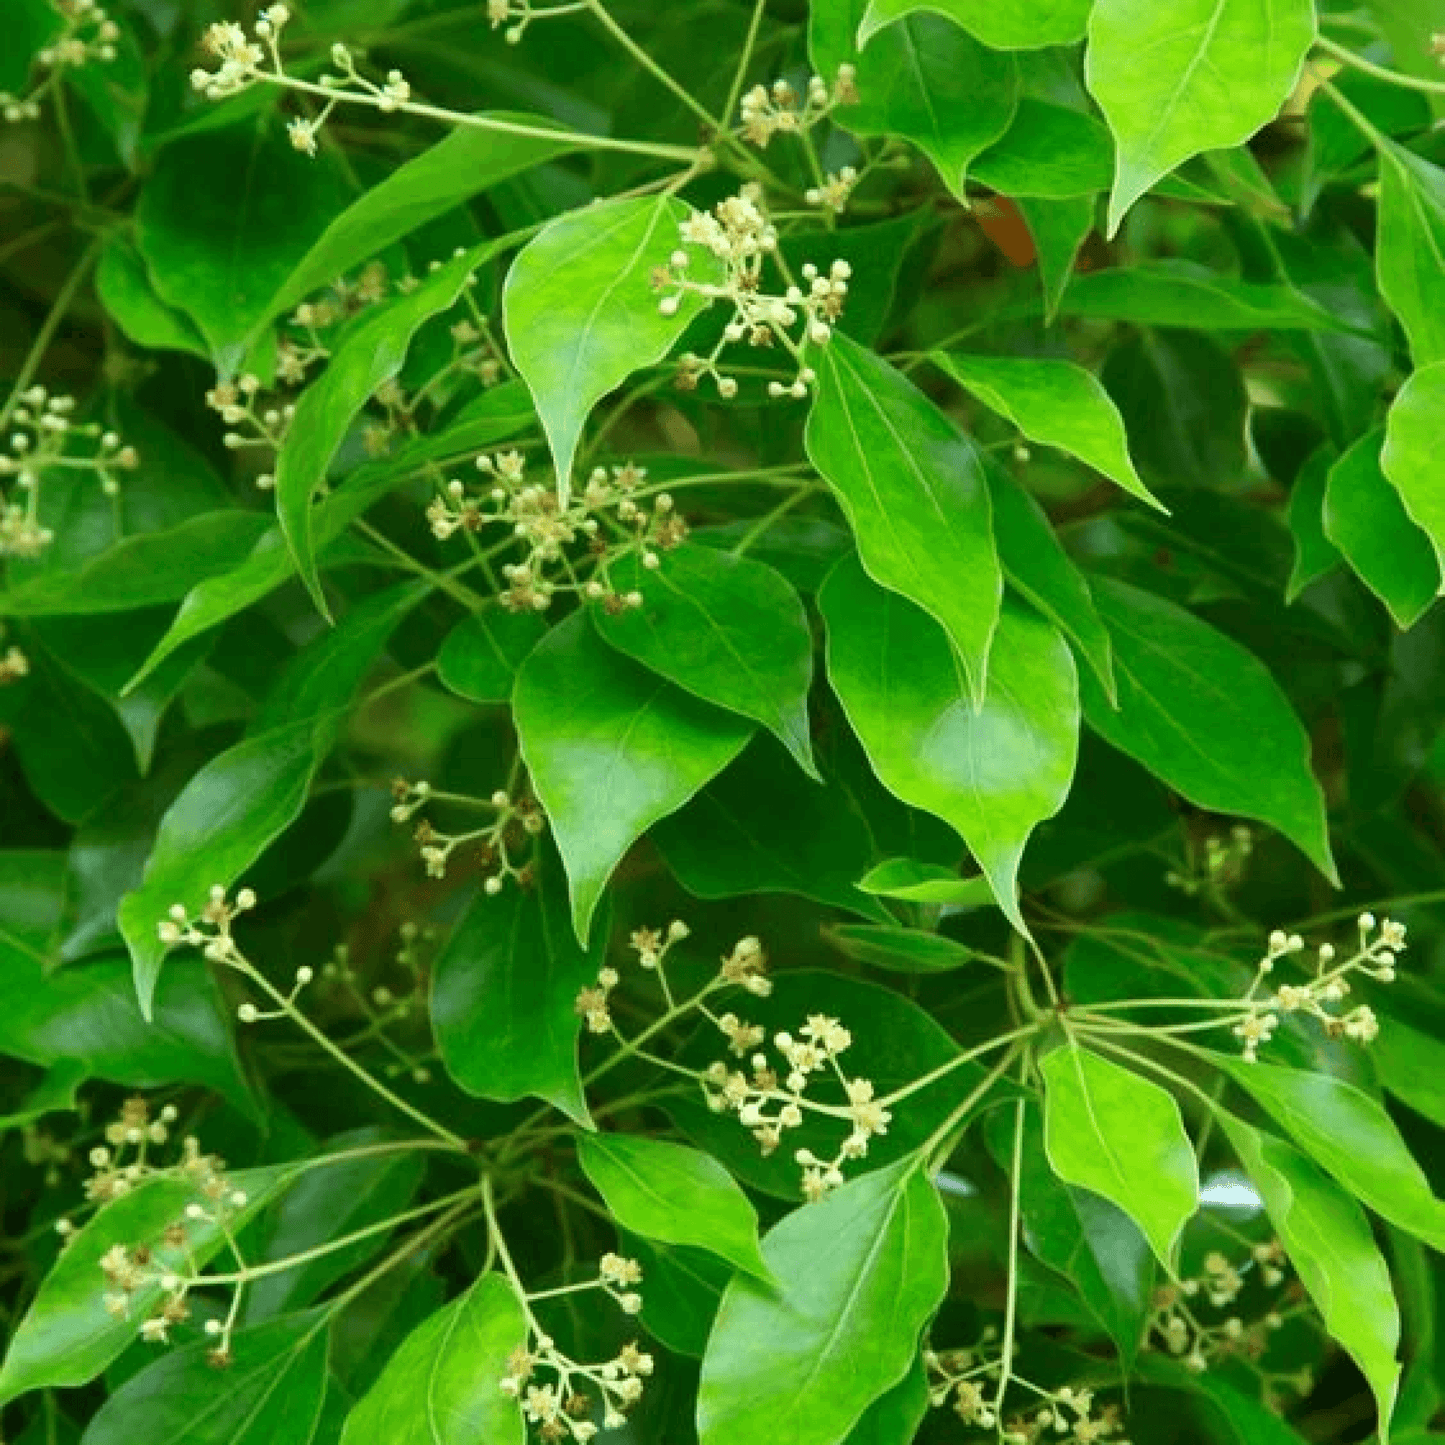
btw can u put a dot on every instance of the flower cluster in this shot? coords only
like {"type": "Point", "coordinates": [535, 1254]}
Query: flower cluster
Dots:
{"type": "Point", "coordinates": [1375, 957]}
{"type": "Point", "coordinates": [737, 233]}
{"type": "Point", "coordinates": [1221, 868]}
{"type": "Point", "coordinates": [516, 821]}
{"type": "Point", "coordinates": [517, 15]}
{"type": "Point", "coordinates": [251, 423]}
{"type": "Point", "coordinates": [766, 111]}
{"type": "Point", "coordinates": [209, 930]}
{"type": "Point", "coordinates": [772, 1096]}
{"type": "Point", "coordinates": [47, 438]}
{"type": "Point", "coordinates": [1175, 1325]}
{"type": "Point", "coordinates": [565, 544]}
{"type": "Point", "coordinates": [87, 33]}
{"type": "Point", "coordinates": [13, 665]}
{"type": "Point", "coordinates": [651, 947]}
{"type": "Point", "coordinates": [563, 1406]}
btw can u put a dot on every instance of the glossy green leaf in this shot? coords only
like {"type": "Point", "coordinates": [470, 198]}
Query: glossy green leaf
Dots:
{"type": "Point", "coordinates": [760, 826]}
{"type": "Point", "coordinates": [504, 994]}
{"type": "Point", "coordinates": [1056, 403]}
{"type": "Point", "coordinates": [1329, 1243]}
{"type": "Point", "coordinates": [1365, 518]}
{"type": "Point", "coordinates": [1027, 25]}
{"type": "Point", "coordinates": [1411, 1065]}
{"type": "Point", "coordinates": [1410, 249]}
{"type": "Point", "coordinates": [125, 290]}
{"type": "Point", "coordinates": [1089, 1241]}
{"type": "Point", "coordinates": [1314, 554]}
{"type": "Point", "coordinates": [727, 629]}
{"type": "Point", "coordinates": [1176, 293]}
{"type": "Point", "coordinates": [673, 1194]}
{"type": "Point", "coordinates": [1059, 229]}
{"type": "Point", "coordinates": [894, 1418]}
{"type": "Point", "coordinates": [481, 655]}
{"type": "Point", "coordinates": [269, 1394]}
{"type": "Point", "coordinates": [248, 795]}
{"type": "Point", "coordinates": [1411, 456]}
{"type": "Point", "coordinates": [1117, 1133]}
{"type": "Point", "coordinates": [442, 1386]}
{"type": "Point", "coordinates": [582, 315]}
{"type": "Point", "coordinates": [67, 1336]}
{"type": "Point", "coordinates": [858, 1276]}
{"type": "Point", "coordinates": [993, 774]}
{"type": "Point", "coordinates": [898, 950]}
{"type": "Point", "coordinates": [1351, 1135]}
{"type": "Point", "coordinates": [1217, 71]}
{"type": "Point", "coordinates": [917, 882]}
{"type": "Point", "coordinates": [611, 748]}
{"type": "Point", "coordinates": [57, 1093]}
{"type": "Point", "coordinates": [372, 353]}
{"type": "Point", "coordinates": [923, 78]}
{"type": "Point", "coordinates": [223, 220]}
{"type": "Point", "coordinates": [1039, 570]}
{"type": "Point", "coordinates": [1050, 152]}
{"type": "Point", "coordinates": [1172, 670]}
{"type": "Point", "coordinates": [463, 164]}
{"type": "Point", "coordinates": [916, 494]}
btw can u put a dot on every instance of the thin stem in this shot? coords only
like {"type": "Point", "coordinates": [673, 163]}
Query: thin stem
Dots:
{"type": "Point", "coordinates": [765, 523]}
{"type": "Point", "coordinates": [654, 69]}
{"type": "Point", "coordinates": [941, 1133]}
{"type": "Point", "coordinates": [1363, 123]}
{"type": "Point", "coordinates": [48, 327]}
{"type": "Point", "coordinates": [472, 601]}
{"type": "Point", "coordinates": [740, 75]}
{"type": "Point", "coordinates": [72, 150]}
{"type": "Point", "coordinates": [943, 1070]}
{"type": "Point", "coordinates": [1010, 1318]}
{"type": "Point", "coordinates": [409, 1246]}
{"type": "Point", "coordinates": [345, 1059]}
{"type": "Point", "coordinates": [497, 1240]}
{"type": "Point", "coordinates": [1346, 56]}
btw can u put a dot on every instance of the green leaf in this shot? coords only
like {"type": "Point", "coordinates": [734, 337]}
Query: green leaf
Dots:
{"type": "Point", "coordinates": [222, 222]}
{"type": "Point", "coordinates": [1410, 249]}
{"type": "Point", "coordinates": [1329, 1243]}
{"type": "Point", "coordinates": [372, 352]}
{"type": "Point", "coordinates": [762, 827]}
{"type": "Point", "coordinates": [141, 571]}
{"type": "Point", "coordinates": [611, 748]}
{"type": "Point", "coordinates": [923, 78]}
{"type": "Point", "coordinates": [1056, 403]}
{"type": "Point", "coordinates": [57, 1093]}
{"type": "Point", "coordinates": [917, 882]}
{"type": "Point", "coordinates": [673, 1194]}
{"type": "Point", "coordinates": [1050, 152]}
{"type": "Point", "coordinates": [1027, 25]}
{"type": "Point", "coordinates": [1089, 1241]}
{"type": "Point", "coordinates": [324, 1204]}
{"type": "Point", "coordinates": [1351, 1135]}
{"type": "Point", "coordinates": [1039, 570]}
{"type": "Point", "coordinates": [894, 1418]}
{"type": "Point", "coordinates": [858, 1275]}
{"type": "Point", "coordinates": [443, 1386]}
{"type": "Point", "coordinates": [248, 795]}
{"type": "Point", "coordinates": [67, 1336]}
{"type": "Point", "coordinates": [1173, 670]}
{"type": "Point", "coordinates": [1216, 71]}
{"type": "Point", "coordinates": [1411, 1065]}
{"type": "Point", "coordinates": [125, 290]}
{"type": "Point", "coordinates": [1059, 229]}
{"type": "Point", "coordinates": [915, 493]}
{"type": "Point", "coordinates": [684, 1289]}
{"type": "Point", "coordinates": [269, 1394]}
{"type": "Point", "coordinates": [1411, 457]}
{"type": "Point", "coordinates": [581, 314]}
{"type": "Point", "coordinates": [495, 416]}
{"type": "Point", "coordinates": [1110, 1130]}
{"type": "Point", "coordinates": [481, 654]}
{"type": "Point", "coordinates": [1366, 519]}
{"type": "Point", "coordinates": [1179, 293]}
{"type": "Point", "coordinates": [727, 629]}
{"type": "Point", "coordinates": [1314, 554]}
{"type": "Point", "coordinates": [993, 774]}
{"type": "Point", "coordinates": [898, 950]}
{"type": "Point", "coordinates": [464, 164]}
{"type": "Point", "coordinates": [504, 994]}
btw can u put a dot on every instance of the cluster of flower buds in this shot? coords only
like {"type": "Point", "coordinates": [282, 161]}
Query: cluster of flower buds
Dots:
{"type": "Point", "coordinates": [1380, 945]}
{"type": "Point", "coordinates": [46, 438]}
{"type": "Point", "coordinates": [564, 1407]}
{"type": "Point", "coordinates": [516, 820]}
{"type": "Point", "coordinates": [87, 33]}
{"type": "Point", "coordinates": [652, 947]}
{"type": "Point", "coordinates": [559, 539]}
{"type": "Point", "coordinates": [210, 929]}
{"type": "Point", "coordinates": [766, 111]}
{"type": "Point", "coordinates": [738, 234]}
{"type": "Point", "coordinates": [1222, 867]}
{"type": "Point", "coordinates": [517, 15]}
{"type": "Point", "coordinates": [251, 422]}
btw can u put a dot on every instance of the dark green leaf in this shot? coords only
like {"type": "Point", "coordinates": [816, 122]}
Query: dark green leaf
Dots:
{"type": "Point", "coordinates": [898, 950]}
{"type": "Point", "coordinates": [481, 655]}
{"type": "Point", "coordinates": [916, 495]}
{"type": "Point", "coordinates": [917, 882]}
{"type": "Point", "coordinates": [1050, 152]}
{"type": "Point", "coordinates": [125, 290]}
{"type": "Point", "coordinates": [992, 774]}
{"type": "Point", "coordinates": [1411, 1065]}
{"type": "Point", "coordinates": [1314, 554]}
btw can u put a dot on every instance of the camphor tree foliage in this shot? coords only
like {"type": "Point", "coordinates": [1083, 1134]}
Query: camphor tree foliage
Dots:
{"type": "Point", "coordinates": [721, 722]}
